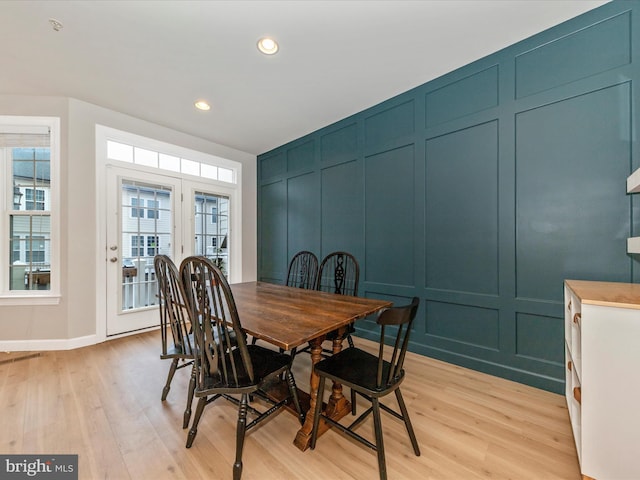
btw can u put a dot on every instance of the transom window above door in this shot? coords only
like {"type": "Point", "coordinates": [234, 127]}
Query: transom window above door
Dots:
{"type": "Point", "coordinates": [149, 158]}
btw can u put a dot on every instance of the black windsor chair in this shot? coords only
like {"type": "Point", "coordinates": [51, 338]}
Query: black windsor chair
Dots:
{"type": "Point", "coordinates": [302, 273]}
{"type": "Point", "coordinates": [225, 365]}
{"type": "Point", "coordinates": [177, 345]}
{"type": "Point", "coordinates": [372, 377]}
{"type": "Point", "coordinates": [339, 273]}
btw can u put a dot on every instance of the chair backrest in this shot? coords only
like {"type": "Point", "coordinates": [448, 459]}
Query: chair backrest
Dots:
{"type": "Point", "coordinates": [339, 273]}
{"type": "Point", "coordinates": [303, 271]}
{"type": "Point", "coordinates": [174, 316]}
{"type": "Point", "coordinates": [222, 360]}
{"type": "Point", "coordinates": [390, 371]}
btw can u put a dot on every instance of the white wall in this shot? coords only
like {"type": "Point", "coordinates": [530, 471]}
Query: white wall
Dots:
{"type": "Point", "coordinates": [73, 320]}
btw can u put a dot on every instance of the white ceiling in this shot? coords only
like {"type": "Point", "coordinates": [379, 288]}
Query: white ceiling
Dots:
{"type": "Point", "coordinates": [153, 59]}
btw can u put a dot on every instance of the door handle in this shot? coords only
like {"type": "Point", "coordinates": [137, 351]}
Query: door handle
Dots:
{"type": "Point", "coordinates": [113, 259]}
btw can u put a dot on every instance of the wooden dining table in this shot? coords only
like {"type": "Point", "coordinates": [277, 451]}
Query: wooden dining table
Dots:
{"type": "Point", "coordinates": [288, 317]}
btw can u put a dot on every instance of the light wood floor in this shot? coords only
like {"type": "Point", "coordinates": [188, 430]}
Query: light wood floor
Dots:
{"type": "Point", "coordinates": [103, 403]}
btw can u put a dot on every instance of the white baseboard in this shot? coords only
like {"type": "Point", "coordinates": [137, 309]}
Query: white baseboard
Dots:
{"type": "Point", "coordinates": [47, 344]}
{"type": "Point", "coordinates": [63, 343]}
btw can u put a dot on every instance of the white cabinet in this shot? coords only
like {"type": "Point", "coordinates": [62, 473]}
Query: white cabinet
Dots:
{"type": "Point", "coordinates": [633, 182]}
{"type": "Point", "coordinates": [602, 347]}
{"type": "Point", "coordinates": [633, 186]}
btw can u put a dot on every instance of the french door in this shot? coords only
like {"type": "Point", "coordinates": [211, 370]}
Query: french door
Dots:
{"type": "Point", "coordinates": [144, 219]}
{"type": "Point", "coordinates": [150, 214]}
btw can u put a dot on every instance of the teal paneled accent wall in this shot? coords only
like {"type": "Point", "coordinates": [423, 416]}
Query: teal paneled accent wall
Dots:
{"type": "Point", "coordinates": [478, 192]}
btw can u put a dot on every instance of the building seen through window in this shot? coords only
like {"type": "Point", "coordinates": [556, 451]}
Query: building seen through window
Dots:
{"type": "Point", "coordinates": [212, 228]}
{"type": "Point", "coordinates": [30, 218]}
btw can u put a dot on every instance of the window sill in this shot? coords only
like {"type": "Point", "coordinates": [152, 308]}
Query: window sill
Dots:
{"type": "Point", "coordinates": [13, 300]}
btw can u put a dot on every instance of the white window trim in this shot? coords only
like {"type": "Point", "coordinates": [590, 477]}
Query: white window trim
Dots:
{"type": "Point", "coordinates": [33, 297]}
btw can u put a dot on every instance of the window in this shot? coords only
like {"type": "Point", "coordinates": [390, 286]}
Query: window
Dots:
{"type": "Point", "coordinates": [150, 158]}
{"type": "Point", "coordinates": [137, 246]}
{"type": "Point", "coordinates": [212, 227]}
{"type": "Point", "coordinates": [153, 209]}
{"type": "Point", "coordinates": [15, 251]}
{"type": "Point", "coordinates": [28, 183]}
{"type": "Point", "coordinates": [138, 243]}
{"type": "Point", "coordinates": [137, 212]}
{"type": "Point", "coordinates": [137, 205]}
{"type": "Point", "coordinates": [152, 245]}
{"type": "Point", "coordinates": [34, 199]}
{"type": "Point", "coordinates": [36, 254]}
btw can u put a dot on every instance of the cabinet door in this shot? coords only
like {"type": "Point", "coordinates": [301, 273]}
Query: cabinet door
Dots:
{"type": "Point", "coordinates": [610, 391]}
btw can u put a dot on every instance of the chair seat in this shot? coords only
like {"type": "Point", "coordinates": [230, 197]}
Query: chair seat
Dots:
{"type": "Point", "coordinates": [179, 350]}
{"type": "Point", "coordinates": [173, 351]}
{"type": "Point", "coordinates": [357, 369]}
{"type": "Point", "coordinates": [266, 363]}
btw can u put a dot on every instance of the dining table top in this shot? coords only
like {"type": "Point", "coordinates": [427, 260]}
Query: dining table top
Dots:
{"type": "Point", "coordinates": [288, 316]}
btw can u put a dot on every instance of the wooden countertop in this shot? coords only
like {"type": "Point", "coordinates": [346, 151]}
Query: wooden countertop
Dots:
{"type": "Point", "coordinates": [610, 294]}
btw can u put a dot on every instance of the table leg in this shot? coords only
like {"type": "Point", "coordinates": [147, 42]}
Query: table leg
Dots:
{"type": "Point", "coordinates": [338, 405]}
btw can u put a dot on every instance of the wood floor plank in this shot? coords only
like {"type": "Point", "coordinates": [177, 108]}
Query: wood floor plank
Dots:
{"type": "Point", "coordinates": [103, 403]}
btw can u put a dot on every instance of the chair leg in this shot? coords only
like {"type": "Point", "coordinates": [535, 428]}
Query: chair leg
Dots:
{"type": "Point", "coordinates": [192, 388]}
{"type": "Point", "coordinates": [240, 431]}
{"type": "Point", "coordinates": [350, 340]}
{"type": "Point", "coordinates": [172, 371]}
{"type": "Point", "coordinates": [202, 402]}
{"type": "Point", "coordinates": [353, 402]}
{"type": "Point", "coordinates": [292, 354]}
{"type": "Point", "coordinates": [293, 390]}
{"type": "Point", "coordinates": [318, 410]}
{"type": "Point", "coordinates": [407, 423]}
{"type": "Point", "coordinates": [377, 426]}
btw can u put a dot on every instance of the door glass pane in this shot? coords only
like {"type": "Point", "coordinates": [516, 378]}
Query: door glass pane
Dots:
{"type": "Point", "coordinates": [212, 228]}
{"type": "Point", "coordinates": [146, 232]}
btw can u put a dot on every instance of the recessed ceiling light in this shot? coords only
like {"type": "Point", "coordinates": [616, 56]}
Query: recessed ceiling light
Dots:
{"type": "Point", "coordinates": [202, 105]}
{"type": "Point", "coordinates": [267, 45]}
